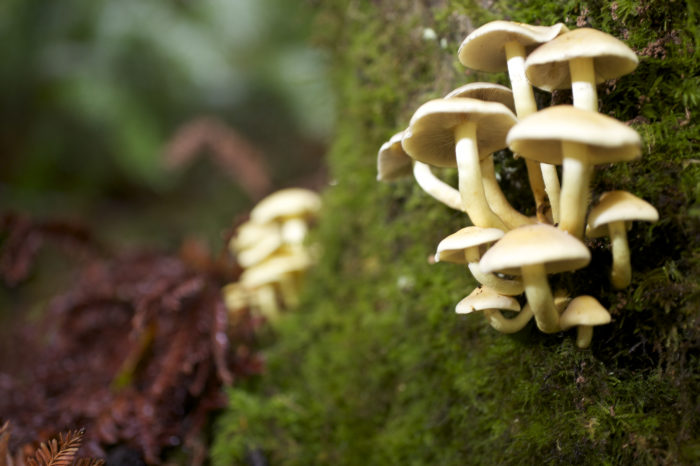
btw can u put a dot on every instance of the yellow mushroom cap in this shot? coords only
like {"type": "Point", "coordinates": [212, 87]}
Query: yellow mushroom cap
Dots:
{"type": "Point", "coordinates": [542, 244]}
{"type": "Point", "coordinates": [249, 233]}
{"type": "Point", "coordinates": [489, 92]}
{"type": "Point", "coordinates": [484, 48]}
{"type": "Point", "coordinates": [584, 310]}
{"type": "Point", "coordinates": [483, 298]}
{"type": "Point", "coordinates": [236, 296]}
{"type": "Point", "coordinates": [617, 206]}
{"type": "Point", "coordinates": [539, 136]}
{"type": "Point", "coordinates": [274, 268]}
{"type": "Point", "coordinates": [548, 66]}
{"type": "Point", "coordinates": [430, 137]}
{"type": "Point", "coordinates": [392, 161]}
{"type": "Point", "coordinates": [260, 250]}
{"type": "Point", "coordinates": [452, 248]}
{"type": "Point", "coordinates": [286, 203]}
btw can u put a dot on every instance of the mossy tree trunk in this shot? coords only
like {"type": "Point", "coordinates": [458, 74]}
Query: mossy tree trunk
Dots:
{"type": "Point", "coordinates": [376, 368]}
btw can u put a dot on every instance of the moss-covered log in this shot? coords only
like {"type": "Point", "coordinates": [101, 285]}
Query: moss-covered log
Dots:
{"type": "Point", "coordinates": [376, 368]}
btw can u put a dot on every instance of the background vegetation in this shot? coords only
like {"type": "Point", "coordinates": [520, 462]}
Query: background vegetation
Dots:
{"type": "Point", "coordinates": [375, 367]}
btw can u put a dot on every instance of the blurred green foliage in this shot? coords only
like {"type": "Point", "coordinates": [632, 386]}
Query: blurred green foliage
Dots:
{"type": "Point", "coordinates": [90, 92]}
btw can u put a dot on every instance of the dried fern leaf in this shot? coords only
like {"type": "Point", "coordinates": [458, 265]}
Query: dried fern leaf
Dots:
{"type": "Point", "coordinates": [58, 453]}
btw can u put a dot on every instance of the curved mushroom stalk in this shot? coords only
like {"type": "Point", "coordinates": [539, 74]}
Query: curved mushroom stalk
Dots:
{"type": "Point", "coordinates": [621, 274]}
{"type": "Point", "coordinates": [435, 187]}
{"type": "Point", "coordinates": [497, 200]}
{"type": "Point", "coordinates": [508, 325]}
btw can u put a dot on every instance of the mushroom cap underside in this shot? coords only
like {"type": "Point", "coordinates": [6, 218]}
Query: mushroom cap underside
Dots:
{"type": "Point", "coordinates": [392, 161]}
{"type": "Point", "coordinates": [547, 67]}
{"type": "Point", "coordinates": [542, 244]}
{"type": "Point", "coordinates": [540, 136]}
{"type": "Point", "coordinates": [430, 137]}
{"type": "Point", "coordinates": [453, 247]}
{"type": "Point", "coordinates": [617, 206]}
{"type": "Point", "coordinates": [484, 48]}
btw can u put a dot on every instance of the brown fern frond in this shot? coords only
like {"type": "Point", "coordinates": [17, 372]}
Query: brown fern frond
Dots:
{"type": "Point", "coordinates": [58, 453]}
{"type": "Point", "coordinates": [4, 443]}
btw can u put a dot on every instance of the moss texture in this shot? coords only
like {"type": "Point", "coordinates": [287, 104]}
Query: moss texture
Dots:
{"type": "Point", "coordinates": [376, 368]}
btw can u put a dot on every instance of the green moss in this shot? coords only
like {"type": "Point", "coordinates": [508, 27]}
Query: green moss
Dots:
{"type": "Point", "coordinates": [375, 368]}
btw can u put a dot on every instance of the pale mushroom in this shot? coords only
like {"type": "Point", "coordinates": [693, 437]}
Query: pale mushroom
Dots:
{"type": "Point", "coordinates": [503, 45]}
{"type": "Point", "coordinates": [584, 312]}
{"type": "Point", "coordinates": [292, 208]}
{"type": "Point", "coordinates": [465, 246]}
{"type": "Point", "coordinates": [453, 132]}
{"type": "Point", "coordinates": [579, 60]}
{"type": "Point", "coordinates": [491, 303]}
{"type": "Point", "coordinates": [393, 162]}
{"type": "Point", "coordinates": [577, 139]}
{"type": "Point", "coordinates": [613, 215]}
{"type": "Point", "coordinates": [533, 251]}
{"type": "Point", "coordinates": [500, 205]}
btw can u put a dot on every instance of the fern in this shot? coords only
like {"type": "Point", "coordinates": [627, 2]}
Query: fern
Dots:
{"type": "Point", "coordinates": [62, 452]}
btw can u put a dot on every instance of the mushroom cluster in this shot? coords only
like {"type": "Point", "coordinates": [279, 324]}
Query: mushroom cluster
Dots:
{"type": "Point", "coordinates": [270, 248]}
{"type": "Point", "coordinates": [507, 252]}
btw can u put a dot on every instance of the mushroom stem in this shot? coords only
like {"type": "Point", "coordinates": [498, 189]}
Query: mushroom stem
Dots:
{"type": "Point", "coordinates": [539, 297]}
{"type": "Point", "coordinates": [583, 83]}
{"type": "Point", "coordinates": [501, 285]}
{"type": "Point", "coordinates": [497, 200]}
{"type": "Point", "coordinates": [505, 325]}
{"type": "Point", "coordinates": [551, 186]}
{"type": "Point", "coordinates": [524, 99]}
{"type": "Point", "coordinates": [267, 302]}
{"type": "Point", "coordinates": [621, 275]}
{"type": "Point", "coordinates": [289, 291]}
{"type": "Point", "coordinates": [471, 188]}
{"type": "Point", "coordinates": [584, 335]}
{"type": "Point", "coordinates": [574, 191]}
{"type": "Point", "coordinates": [435, 187]}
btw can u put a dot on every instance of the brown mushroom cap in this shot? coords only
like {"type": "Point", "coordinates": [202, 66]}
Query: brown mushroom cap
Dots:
{"type": "Point", "coordinates": [616, 206]}
{"type": "Point", "coordinates": [489, 92]}
{"type": "Point", "coordinates": [543, 244]}
{"type": "Point", "coordinates": [584, 310]}
{"type": "Point", "coordinates": [483, 298]}
{"type": "Point", "coordinates": [452, 248]}
{"type": "Point", "coordinates": [539, 136]}
{"type": "Point", "coordinates": [547, 67]}
{"type": "Point", "coordinates": [392, 161]}
{"type": "Point", "coordinates": [484, 48]}
{"type": "Point", "coordinates": [430, 137]}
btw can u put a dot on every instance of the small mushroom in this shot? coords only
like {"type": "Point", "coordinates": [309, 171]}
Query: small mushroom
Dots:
{"type": "Point", "coordinates": [577, 139]}
{"type": "Point", "coordinates": [491, 303]}
{"type": "Point", "coordinates": [579, 60]}
{"type": "Point", "coordinates": [292, 208]}
{"type": "Point", "coordinates": [393, 162]}
{"type": "Point", "coordinates": [454, 132]}
{"type": "Point", "coordinates": [503, 45]}
{"type": "Point", "coordinates": [584, 312]}
{"type": "Point", "coordinates": [613, 215]}
{"type": "Point", "coordinates": [490, 92]}
{"type": "Point", "coordinates": [464, 247]}
{"type": "Point", "coordinates": [533, 251]}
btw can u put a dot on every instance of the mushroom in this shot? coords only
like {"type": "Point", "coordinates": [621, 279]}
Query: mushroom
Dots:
{"type": "Point", "coordinates": [533, 251]}
{"type": "Point", "coordinates": [464, 247]}
{"type": "Point", "coordinates": [613, 215]}
{"type": "Point", "coordinates": [584, 312]}
{"type": "Point", "coordinates": [491, 92]}
{"type": "Point", "coordinates": [449, 132]}
{"type": "Point", "coordinates": [503, 45]}
{"type": "Point", "coordinates": [393, 162]}
{"type": "Point", "coordinates": [577, 139]}
{"type": "Point", "coordinates": [579, 60]}
{"type": "Point", "coordinates": [292, 208]}
{"type": "Point", "coordinates": [487, 300]}
{"type": "Point", "coordinates": [268, 241]}
{"type": "Point", "coordinates": [281, 270]}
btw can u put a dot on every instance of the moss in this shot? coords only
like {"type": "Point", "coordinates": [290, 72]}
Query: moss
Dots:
{"type": "Point", "coordinates": [375, 368]}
